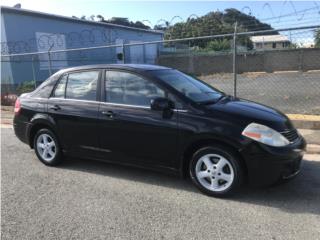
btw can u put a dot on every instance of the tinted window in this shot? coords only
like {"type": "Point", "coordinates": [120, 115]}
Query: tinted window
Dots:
{"type": "Point", "coordinates": [131, 89]}
{"type": "Point", "coordinates": [60, 88]}
{"type": "Point", "coordinates": [82, 85]}
{"type": "Point", "coordinates": [188, 86]}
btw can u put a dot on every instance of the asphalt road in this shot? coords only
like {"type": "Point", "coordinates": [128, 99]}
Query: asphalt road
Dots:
{"type": "Point", "coordinates": [290, 92]}
{"type": "Point", "coordinates": [83, 199]}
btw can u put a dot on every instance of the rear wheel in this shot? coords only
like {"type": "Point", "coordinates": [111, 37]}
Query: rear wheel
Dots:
{"type": "Point", "coordinates": [216, 171]}
{"type": "Point", "coordinates": [47, 147]}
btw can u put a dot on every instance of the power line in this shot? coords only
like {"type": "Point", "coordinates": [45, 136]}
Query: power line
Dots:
{"type": "Point", "coordinates": [276, 18]}
{"type": "Point", "coordinates": [275, 25]}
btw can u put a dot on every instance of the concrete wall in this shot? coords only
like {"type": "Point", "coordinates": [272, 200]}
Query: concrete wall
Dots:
{"type": "Point", "coordinates": [269, 61]}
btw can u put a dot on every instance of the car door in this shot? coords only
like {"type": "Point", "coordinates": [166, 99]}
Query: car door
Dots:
{"type": "Point", "coordinates": [74, 107]}
{"type": "Point", "coordinates": [129, 131]}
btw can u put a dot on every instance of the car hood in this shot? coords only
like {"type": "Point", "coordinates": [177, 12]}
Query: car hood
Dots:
{"type": "Point", "coordinates": [246, 112]}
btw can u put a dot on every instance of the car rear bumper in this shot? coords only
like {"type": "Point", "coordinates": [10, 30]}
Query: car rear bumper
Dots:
{"type": "Point", "coordinates": [20, 130]}
{"type": "Point", "coordinates": [267, 165]}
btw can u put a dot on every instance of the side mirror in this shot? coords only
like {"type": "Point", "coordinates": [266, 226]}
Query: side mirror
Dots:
{"type": "Point", "coordinates": [161, 104]}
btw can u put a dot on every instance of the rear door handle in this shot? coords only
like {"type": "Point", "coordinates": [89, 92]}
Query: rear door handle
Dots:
{"type": "Point", "coordinates": [55, 107]}
{"type": "Point", "coordinates": [108, 114]}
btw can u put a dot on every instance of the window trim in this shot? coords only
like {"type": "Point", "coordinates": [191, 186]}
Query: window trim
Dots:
{"type": "Point", "coordinates": [141, 107]}
{"type": "Point", "coordinates": [101, 84]}
{"type": "Point", "coordinates": [118, 104]}
{"type": "Point", "coordinates": [104, 92]}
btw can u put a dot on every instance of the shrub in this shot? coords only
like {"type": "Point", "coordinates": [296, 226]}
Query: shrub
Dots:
{"type": "Point", "coordinates": [27, 86]}
{"type": "Point", "coordinates": [218, 45]}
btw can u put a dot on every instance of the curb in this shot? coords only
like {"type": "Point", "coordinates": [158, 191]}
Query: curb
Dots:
{"type": "Point", "coordinates": [305, 121]}
{"type": "Point", "coordinates": [313, 149]}
{"type": "Point", "coordinates": [4, 125]}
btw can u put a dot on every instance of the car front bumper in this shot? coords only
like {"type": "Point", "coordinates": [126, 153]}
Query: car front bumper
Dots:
{"type": "Point", "coordinates": [267, 165]}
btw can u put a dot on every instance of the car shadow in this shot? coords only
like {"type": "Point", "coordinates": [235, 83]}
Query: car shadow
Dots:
{"type": "Point", "coordinates": [300, 195]}
{"type": "Point", "coordinates": [128, 172]}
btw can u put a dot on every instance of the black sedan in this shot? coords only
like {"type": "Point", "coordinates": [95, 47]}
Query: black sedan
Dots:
{"type": "Point", "coordinates": [162, 119]}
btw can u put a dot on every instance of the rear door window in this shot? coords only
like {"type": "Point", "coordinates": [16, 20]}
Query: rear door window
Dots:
{"type": "Point", "coordinates": [82, 85]}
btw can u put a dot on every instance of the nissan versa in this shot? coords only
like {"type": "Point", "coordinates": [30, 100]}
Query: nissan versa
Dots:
{"type": "Point", "coordinates": [162, 119]}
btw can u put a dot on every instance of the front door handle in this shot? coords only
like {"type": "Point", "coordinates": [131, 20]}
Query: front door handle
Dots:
{"type": "Point", "coordinates": [55, 107]}
{"type": "Point", "coordinates": [108, 114]}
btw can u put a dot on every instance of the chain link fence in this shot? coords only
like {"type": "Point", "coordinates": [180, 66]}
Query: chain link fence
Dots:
{"type": "Point", "coordinates": [279, 68]}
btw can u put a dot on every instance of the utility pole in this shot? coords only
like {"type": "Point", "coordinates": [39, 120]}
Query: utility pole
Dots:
{"type": "Point", "coordinates": [123, 52]}
{"type": "Point", "coordinates": [235, 60]}
{"type": "Point", "coordinates": [34, 73]}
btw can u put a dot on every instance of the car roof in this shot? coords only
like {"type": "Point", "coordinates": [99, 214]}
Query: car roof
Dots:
{"type": "Point", "coordinates": [136, 67]}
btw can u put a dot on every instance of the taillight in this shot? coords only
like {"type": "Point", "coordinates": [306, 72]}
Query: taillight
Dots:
{"type": "Point", "coordinates": [17, 106]}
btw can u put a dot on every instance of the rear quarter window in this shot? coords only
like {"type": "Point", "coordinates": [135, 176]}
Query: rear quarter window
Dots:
{"type": "Point", "coordinates": [59, 91]}
{"type": "Point", "coordinates": [44, 90]}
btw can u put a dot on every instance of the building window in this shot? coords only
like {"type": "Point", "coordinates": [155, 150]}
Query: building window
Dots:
{"type": "Point", "coordinates": [274, 45]}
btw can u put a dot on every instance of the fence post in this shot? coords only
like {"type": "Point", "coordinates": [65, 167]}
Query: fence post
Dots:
{"type": "Point", "coordinates": [49, 59]}
{"type": "Point", "coordinates": [234, 62]}
{"type": "Point", "coordinates": [301, 60]}
{"type": "Point", "coordinates": [144, 53]}
{"type": "Point", "coordinates": [33, 73]}
{"type": "Point", "coordinates": [123, 53]}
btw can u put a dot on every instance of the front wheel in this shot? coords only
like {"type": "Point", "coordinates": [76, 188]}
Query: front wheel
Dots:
{"type": "Point", "coordinates": [216, 171]}
{"type": "Point", "coordinates": [47, 147]}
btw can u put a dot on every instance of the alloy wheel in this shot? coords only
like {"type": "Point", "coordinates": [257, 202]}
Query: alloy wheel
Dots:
{"type": "Point", "coordinates": [214, 172]}
{"type": "Point", "coordinates": [46, 147]}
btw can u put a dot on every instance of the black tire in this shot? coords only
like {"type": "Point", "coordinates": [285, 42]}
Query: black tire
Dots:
{"type": "Point", "coordinates": [227, 154]}
{"type": "Point", "coordinates": [58, 153]}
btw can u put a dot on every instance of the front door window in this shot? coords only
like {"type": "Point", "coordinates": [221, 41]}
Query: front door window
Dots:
{"type": "Point", "coordinates": [130, 89]}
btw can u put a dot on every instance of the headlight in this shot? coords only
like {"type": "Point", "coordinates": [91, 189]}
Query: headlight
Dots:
{"type": "Point", "coordinates": [265, 135]}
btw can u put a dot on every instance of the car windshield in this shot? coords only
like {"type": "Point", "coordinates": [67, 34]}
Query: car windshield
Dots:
{"type": "Point", "coordinates": [189, 86]}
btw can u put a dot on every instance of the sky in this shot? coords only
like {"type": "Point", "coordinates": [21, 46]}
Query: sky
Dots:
{"type": "Point", "coordinates": [295, 13]}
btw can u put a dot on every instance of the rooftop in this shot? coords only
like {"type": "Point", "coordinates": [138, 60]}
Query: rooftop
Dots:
{"type": "Point", "coordinates": [54, 16]}
{"type": "Point", "coordinates": [269, 38]}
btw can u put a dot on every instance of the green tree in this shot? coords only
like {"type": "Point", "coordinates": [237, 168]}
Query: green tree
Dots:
{"type": "Point", "coordinates": [215, 23]}
{"type": "Point", "coordinates": [115, 20]}
{"type": "Point", "coordinates": [26, 86]}
{"type": "Point", "coordinates": [246, 22]}
{"type": "Point", "coordinates": [124, 22]}
{"type": "Point", "coordinates": [219, 45]}
{"type": "Point", "coordinates": [161, 26]}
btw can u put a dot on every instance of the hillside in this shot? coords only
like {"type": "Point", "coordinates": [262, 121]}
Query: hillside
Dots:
{"type": "Point", "coordinates": [215, 23]}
